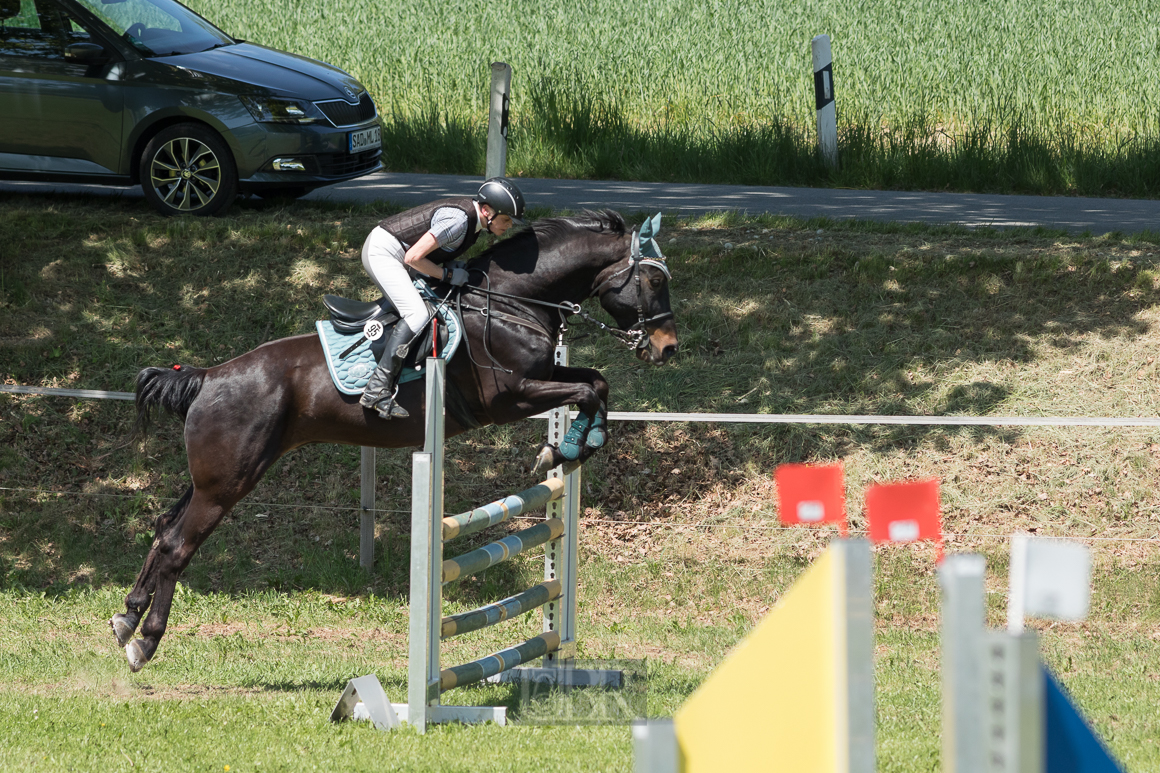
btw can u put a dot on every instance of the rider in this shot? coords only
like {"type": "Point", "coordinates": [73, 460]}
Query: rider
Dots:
{"type": "Point", "coordinates": [417, 242]}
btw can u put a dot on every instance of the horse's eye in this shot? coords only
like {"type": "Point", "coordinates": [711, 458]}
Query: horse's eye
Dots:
{"type": "Point", "coordinates": [655, 282]}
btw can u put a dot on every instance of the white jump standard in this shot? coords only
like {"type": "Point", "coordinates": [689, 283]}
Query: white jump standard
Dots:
{"type": "Point", "coordinates": [429, 572]}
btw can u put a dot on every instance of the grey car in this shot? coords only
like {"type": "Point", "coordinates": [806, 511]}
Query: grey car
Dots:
{"type": "Point", "coordinates": [146, 92]}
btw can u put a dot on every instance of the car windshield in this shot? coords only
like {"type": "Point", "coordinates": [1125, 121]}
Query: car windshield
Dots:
{"type": "Point", "coordinates": [158, 27]}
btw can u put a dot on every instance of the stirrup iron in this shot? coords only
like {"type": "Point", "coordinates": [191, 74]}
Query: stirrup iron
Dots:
{"type": "Point", "coordinates": [388, 407]}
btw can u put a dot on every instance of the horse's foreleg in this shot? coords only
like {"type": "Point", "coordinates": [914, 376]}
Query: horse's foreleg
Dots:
{"type": "Point", "coordinates": [582, 387]}
{"type": "Point", "coordinates": [589, 430]}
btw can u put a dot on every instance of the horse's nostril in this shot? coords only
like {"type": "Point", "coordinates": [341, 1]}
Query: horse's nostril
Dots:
{"type": "Point", "coordinates": [668, 351]}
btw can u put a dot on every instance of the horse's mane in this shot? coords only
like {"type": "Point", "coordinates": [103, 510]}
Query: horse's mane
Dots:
{"type": "Point", "coordinates": [545, 234]}
{"type": "Point", "coordinates": [553, 228]}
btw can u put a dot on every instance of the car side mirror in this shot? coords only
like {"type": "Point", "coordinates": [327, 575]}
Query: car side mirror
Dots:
{"type": "Point", "coordinates": [85, 53]}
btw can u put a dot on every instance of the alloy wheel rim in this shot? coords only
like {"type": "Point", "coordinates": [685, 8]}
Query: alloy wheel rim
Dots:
{"type": "Point", "coordinates": [185, 174]}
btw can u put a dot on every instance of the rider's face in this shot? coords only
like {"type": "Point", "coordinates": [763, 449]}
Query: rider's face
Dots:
{"type": "Point", "coordinates": [500, 224]}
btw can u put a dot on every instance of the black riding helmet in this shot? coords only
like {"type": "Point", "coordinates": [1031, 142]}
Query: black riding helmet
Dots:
{"type": "Point", "coordinates": [502, 195]}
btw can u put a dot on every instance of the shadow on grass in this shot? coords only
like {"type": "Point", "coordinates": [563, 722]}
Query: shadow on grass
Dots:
{"type": "Point", "coordinates": [797, 324]}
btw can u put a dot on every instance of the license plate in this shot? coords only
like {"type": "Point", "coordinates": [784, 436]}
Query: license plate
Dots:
{"type": "Point", "coordinates": [364, 139]}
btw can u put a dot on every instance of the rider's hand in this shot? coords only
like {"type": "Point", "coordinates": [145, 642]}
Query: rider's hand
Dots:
{"type": "Point", "coordinates": [456, 277]}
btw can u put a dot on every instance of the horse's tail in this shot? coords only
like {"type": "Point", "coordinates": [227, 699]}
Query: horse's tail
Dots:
{"type": "Point", "coordinates": [166, 389]}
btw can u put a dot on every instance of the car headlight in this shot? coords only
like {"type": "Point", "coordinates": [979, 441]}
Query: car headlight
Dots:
{"type": "Point", "coordinates": [282, 110]}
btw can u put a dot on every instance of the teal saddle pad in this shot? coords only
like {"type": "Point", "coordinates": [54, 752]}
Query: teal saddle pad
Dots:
{"type": "Point", "coordinates": [351, 373]}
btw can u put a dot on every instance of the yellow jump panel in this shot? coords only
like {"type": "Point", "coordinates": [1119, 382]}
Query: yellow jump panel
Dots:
{"type": "Point", "coordinates": [778, 702]}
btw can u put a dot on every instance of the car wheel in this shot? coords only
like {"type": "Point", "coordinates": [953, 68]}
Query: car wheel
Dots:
{"type": "Point", "coordinates": [187, 169]}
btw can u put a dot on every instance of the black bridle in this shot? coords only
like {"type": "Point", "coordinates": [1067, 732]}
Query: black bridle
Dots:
{"type": "Point", "coordinates": [636, 336]}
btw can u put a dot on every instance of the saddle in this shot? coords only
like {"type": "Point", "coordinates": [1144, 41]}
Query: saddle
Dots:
{"type": "Point", "coordinates": [351, 357]}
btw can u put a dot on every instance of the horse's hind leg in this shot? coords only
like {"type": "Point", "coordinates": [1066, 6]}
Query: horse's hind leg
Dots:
{"type": "Point", "coordinates": [173, 547]}
{"type": "Point", "coordinates": [137, 602]}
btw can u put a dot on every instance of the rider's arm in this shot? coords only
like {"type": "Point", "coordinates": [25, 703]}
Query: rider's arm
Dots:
{"type": "Point", "coordinates": [416, 256]}
{"type": "Point", "coordinates": [448, 228]}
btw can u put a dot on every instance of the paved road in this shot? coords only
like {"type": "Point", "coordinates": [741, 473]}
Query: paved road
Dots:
{"type": "Point", "coordinates": [972, 210]}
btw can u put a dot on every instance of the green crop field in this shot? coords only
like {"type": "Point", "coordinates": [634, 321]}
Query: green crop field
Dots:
{"type": "Point", "coordinates": [1030, 96]}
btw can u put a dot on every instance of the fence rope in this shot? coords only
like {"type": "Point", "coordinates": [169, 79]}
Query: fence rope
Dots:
{"type": "Point", "coordinates": [753, 418]}
{"type": "Point", "coordinates": [726, 418]}
{"type": "Point", "coordinates": [171, 500]}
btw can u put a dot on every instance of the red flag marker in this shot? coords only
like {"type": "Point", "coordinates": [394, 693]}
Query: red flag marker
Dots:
{"type": "Point", "coordinates": [905, 512]}
{"type": "Point", "coordinates": [811, 494]}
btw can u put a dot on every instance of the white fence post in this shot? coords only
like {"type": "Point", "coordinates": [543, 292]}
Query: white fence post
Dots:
{"type": "Point", "coordinates": [497, 125]}
{"type": "Point", "coordinates": [824, 100]}
{"type": "Point", "coordinates": [366, 540]}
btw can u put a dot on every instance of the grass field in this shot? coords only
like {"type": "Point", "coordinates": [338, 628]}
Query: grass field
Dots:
{"type": "Point", "coordinates": [1037, 96]}
{"type": "Point", "coordinates": [681, 551]}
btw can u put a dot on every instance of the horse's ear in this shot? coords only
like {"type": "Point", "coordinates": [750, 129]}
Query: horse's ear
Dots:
{"type": "Point", "coordinates": [648, 231]}
{"type": "Point", "coordinates": [650, 227]}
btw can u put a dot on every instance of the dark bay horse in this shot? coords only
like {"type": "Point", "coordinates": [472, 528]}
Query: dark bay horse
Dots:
{"type": "Point", "coordinates": [242, 415]}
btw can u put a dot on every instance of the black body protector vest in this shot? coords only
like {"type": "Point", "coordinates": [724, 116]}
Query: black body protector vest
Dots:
{"type": "Point", "coordinates": [408, 227]}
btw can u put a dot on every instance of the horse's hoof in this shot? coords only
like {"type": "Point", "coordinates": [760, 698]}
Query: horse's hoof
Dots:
{"type": "Point", "coordinates": [544, 462]}
{"type": "Point", "coordinates": [136, 655]}
{"type": "Point", "coordinates": [569, 467]}
{"type": "Point", "coordinates": [121, 629]}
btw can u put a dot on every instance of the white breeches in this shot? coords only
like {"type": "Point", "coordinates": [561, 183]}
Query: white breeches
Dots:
{"type": "Point", "coordinates": [382, 257]}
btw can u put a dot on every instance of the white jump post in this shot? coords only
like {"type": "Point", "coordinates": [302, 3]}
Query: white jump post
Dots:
{"type": "Point", "coordinates": [993, 688]}
{"type": "Point", "coordinates": [561, 554]}
{"type": "Point", "coordinates": [430, 571]}
{"type": "Point", "coordinates": [824, 100]}
{"type": "Point", "coordinates": [497, 124]}
{"type": "Point", "coordinates": [963, 623]}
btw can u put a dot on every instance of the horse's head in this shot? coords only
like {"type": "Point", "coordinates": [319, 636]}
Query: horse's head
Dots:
{"type": "Point", "coordinates": [635, 291]}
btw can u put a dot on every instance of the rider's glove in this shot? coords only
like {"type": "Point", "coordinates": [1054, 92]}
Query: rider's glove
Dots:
{"type": "Point", "coordinates": [457, 277]}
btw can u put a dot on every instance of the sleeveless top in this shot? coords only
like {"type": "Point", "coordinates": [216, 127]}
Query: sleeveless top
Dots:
{"type": "Point", "coordinates": [408, 227]}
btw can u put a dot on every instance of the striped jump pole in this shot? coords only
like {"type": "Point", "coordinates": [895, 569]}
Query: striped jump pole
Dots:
{"type": "Point", "coordinates": [478, 670]}
{"type": "Point", "coordinates": [513, 606]}
{"type": "Point", "coordinates": [499, 511]}
{"type": "Point", "coordinates": [501, 550]}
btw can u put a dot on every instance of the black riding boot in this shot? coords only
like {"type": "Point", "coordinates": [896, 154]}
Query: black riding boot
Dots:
{"type": "Point", "coordinates": [380, 390]}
